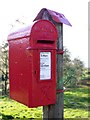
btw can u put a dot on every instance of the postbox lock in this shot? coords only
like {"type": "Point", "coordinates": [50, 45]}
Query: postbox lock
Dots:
{"type": "Point", "coordinates": [35, 72]}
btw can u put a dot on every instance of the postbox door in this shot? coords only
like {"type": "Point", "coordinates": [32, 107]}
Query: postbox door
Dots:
{"type": "Point", "coordinates": [44, 74]}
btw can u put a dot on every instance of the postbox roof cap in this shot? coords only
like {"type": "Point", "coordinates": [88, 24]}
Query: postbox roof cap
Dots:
{"type": "Point", "coordinates": [57, 17]}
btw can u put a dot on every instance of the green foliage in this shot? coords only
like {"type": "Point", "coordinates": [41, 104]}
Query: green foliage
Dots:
{"type": "Point", "coordinates": [4, 60]}
{"type": "Point", "coordinates": [76, 103]}
{"type": "Point", "coordinates": [73, 70]}
{"type": "Point", "coordinates": [4, 65]}
{"type": "Point", "coordinates": [12, 109]}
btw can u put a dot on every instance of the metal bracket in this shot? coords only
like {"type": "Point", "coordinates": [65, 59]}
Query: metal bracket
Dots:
{"type": "Point", "coordinates": [60, 51]}
{"type": "Point", "coordinates": [60, 91]}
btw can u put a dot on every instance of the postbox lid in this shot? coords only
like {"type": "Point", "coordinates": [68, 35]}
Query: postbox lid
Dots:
{"type": "Point", "coordinates": [23, 32]}
{"type": "Point", "coordinates": [39, 29]}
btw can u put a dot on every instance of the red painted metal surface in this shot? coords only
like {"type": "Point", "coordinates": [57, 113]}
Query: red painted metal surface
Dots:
{"type": "Point", "coordinates": [60, 51]}
{"type": "Point", "coordinates": [57, 17]}
{"type": "Point", "coordinates": [28, 48]}
{"type": "Point", "coordinates": [60, 91]}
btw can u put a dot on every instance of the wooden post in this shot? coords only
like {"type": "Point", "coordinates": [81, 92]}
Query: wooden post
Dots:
{"type": "Point", "coordinates": [56, 111]}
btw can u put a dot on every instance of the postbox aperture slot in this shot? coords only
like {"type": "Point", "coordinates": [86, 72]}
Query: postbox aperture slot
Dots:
{"type": "Point", "coordinates": [45, 41]}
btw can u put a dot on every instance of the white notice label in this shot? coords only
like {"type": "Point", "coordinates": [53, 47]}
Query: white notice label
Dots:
{"type": "Point", "coordinates": [45, 65]}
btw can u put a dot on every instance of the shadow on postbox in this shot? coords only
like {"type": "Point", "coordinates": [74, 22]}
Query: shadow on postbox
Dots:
{"type": "Point", "coordinates": [32, 64]}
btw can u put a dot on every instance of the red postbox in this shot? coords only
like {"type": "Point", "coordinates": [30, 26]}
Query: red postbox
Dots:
{"type": "Point", "coordinates": [32, 64]}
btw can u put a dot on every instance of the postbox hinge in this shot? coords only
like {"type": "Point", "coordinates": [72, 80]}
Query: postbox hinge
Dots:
{"type": "Point", "coordinates": [59, 51]}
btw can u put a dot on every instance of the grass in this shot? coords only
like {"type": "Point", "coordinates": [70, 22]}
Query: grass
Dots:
{"type": "Point", "coordinates": [76, 102]}
{"type": "Point", "coordinates": [11, 109]}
